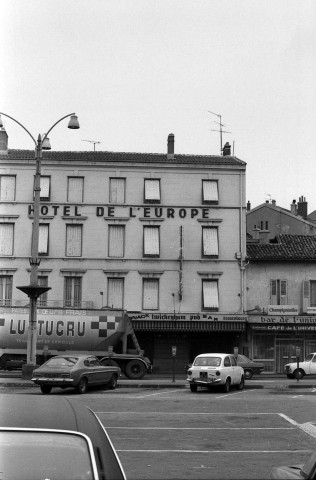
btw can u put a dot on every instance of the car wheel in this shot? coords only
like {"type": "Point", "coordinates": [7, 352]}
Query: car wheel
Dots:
{"type": "Point", "coordinates": [248, 374]}
{"type": "Point", "coordinates": [241, 385]}
{"type": "Point", "coordinates": [227, 385]}
{"type": "Point", "coordinates": [193, 388]}
{"type": "Point", "coordinates": [82, 385]}
{"type": "Point", "coordinates": [299, 373]}
{"type": "Point", "coordinates": [46, 389]}
{"type": "Point", "coordinates": [135, 370]}
{"type": "Point", "coordinates": [113, 382]}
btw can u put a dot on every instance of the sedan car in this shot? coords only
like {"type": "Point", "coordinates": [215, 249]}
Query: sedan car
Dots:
{"type": "Point", "coordinates": [306, 471]}
{"type": "Point", "coordinates": [250, 367]}
{"type": "Point", "coordinates": [54, 438]}
{"type": "Point", "coordinates": [307, 367]}
{"type": "Point", "coordinates": [215, 369]}
{"type": "Point", "coordinates": [77, 371]}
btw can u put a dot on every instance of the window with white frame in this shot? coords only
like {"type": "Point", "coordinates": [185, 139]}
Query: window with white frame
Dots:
{"type": "Point", "coordinates": [117, 190]}
{"type": "Point", "coordinates": [42, 282]}
{"type": "Point", "coordinates": [115, 292]}
{"type": "Point", "coordinates": [6, 289]}
{"type": "Point", "coordinates": [209, 242]}
{"type": "Point", "coordinates": [210, 192]}
{"type": "Point", "coordinates": [210, 295]}
{"type": "Point", "coordinates": [152, 190]}
{"type": "Point", "coordinates": [43, 240]}
{"type": "Point", "coordinates": [151, 242]}
{"type": "Point", "coordinates": [73, 240]}
{"type": "Point", "coordinates": [116, 241]}
{"type": "Point", "coordinates": [6, 238]}
{"type": "Point", "coordinates": [7, 188]}
{"type": "Point", "coordinates": [278, 292]}
{"type": "Point", "coordinates": [72, 291]}
{"type": "Point", "coordinates": [75, 190]}
{"type": "Point", "coordinates": [45, 188]}
{"type": "Point", "coordinates": [150, 294]}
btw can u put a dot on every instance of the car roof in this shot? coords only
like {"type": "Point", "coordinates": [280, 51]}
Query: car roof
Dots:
{"type": "Point", "coordinates": [60, 413]}
{"type": "Point", "coordinates": [214, 354]}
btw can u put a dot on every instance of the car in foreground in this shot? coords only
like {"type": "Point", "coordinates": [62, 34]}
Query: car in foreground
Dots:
{"type": "Point", "coordinates": [250, 366]}
{"type": "Point", "coordinates": [54, 438]}
{"type": "Point", "coordinates": [77, 371]}
{"type": "Point", "coordinates": [307, 367]}
{"type": "Point", "coordinates": [215, 370]}
{"type": "Point", "coordinates": [306, 471]}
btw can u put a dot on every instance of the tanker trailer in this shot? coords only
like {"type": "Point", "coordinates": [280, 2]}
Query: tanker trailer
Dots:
{"type": "Point", "coordinates": [107, 334]}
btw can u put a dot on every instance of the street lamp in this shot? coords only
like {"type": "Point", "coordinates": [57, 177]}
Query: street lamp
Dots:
{"type": "Point", "coordinates": [33, 291]}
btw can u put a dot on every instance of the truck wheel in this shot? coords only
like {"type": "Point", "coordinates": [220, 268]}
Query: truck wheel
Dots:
{"type": "Point", "coordinates": [46, 389]}
{"type": "Point", "coordinates": [248, 374]}
{"type": "Point", "coordinates": [135, 370]}
{"type": "Point", "coordinates": [113, 382]}
{"type": "Point", "coordinates": [82, 385]}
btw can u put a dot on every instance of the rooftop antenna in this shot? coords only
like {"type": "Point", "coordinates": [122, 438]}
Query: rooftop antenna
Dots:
{"type": "Point", "coordinates": [220, 128]}
{"type": "Point", "coordinates": [91, 141]}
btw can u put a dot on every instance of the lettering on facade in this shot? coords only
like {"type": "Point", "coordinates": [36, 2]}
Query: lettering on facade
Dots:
{"type": "Point", "coordinates": [50, 328]}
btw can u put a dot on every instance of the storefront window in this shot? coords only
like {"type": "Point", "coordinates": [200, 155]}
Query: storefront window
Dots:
{"type": "Point", "coordinates": [263, 350]}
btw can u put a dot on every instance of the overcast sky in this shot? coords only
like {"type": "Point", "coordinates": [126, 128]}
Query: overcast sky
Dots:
{"type": "Point", "coordinates": [136, 70]}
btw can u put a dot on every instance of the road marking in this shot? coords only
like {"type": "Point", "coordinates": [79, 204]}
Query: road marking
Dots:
{"type": "Point", "coordinates": [199, 428]}
{"type": "Point", "coordinates": [215, 451]}
{"type": "Point", "coordinates": [153, 394]}
{"type": "Point", "coordinates": [236, 393]}
{"type": "Point", "coordinates": [186, 413]}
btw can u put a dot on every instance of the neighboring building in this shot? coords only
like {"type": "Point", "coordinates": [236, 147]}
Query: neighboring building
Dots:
{"type": "Point", "coordinates": [269, 220]}
{"type": "Point", "coordinates": [281, 299]}
{"type": "Point", "coordinates": [160, 235]}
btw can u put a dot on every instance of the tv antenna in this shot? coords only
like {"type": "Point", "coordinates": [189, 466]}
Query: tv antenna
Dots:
{"type": "Point", "coordinates": [91, 141]}
{"type": "Point", "coordinates": [220, 128]}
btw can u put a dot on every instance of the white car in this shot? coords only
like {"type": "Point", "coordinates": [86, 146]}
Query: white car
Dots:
{"type": "Point", "coordinates": [215, 369]}
{"type": "Point", "coordinates": [307, 367]}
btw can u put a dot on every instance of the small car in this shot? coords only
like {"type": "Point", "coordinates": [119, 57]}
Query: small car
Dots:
{"type": "Point", "coordinates": [14, 364]}
{"type": "Point", "coordinates": [306, 471]}
{"type": "Point", "coordinates": [250, 367]}
{"type": "Point", "coordinates": [215, 369]}
{"type": "Point", "coordinates": [307, 367]}
{"type": "Point", "coordinates": [54, 437]}
{"type": "Point", "coordinates": [77, 371]}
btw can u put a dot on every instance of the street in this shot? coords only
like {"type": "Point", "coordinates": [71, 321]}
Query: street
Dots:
{"type": "Point", "coordinates": [176, 434]}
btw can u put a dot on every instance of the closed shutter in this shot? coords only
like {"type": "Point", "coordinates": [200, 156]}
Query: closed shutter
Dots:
{"type": "Point", "coordinates": [210, 241]}
{"type": "Point", "coordinates": [43, 239]}
{"type": "Point", "coordinates": [210, 191]}
{"type": "Point", "coordinates": [45, 188]}
{"type": "Point", "coordinates": [273, 292]}
{"type": "Point", "coordinates": [305, 295]}
{"type": "Point", "coordinates": [6, 239]}
{"type": "Point", "coordinates": [75, 189]}
{"type": "Point", "coordinates": [7, 188]}
{"type": "Point", "coordinates": [115, 292]}
{"type": "Point", "coordinates": [151, 241]}
{"type": "Point", "coordinates": [73, 239]}
{"type": "Point", "coordinates": [283, 292]}
{"type": "Point", "coordinates": [116, 241]}
{"type": "Point", "coordinates": [210, 294]}
{"type": "Point", "coordinates": [150, 294]}
{"type": "Point", "coordinates": [152, 190]}
{"type": "Point", "coordinates": [117, 190]}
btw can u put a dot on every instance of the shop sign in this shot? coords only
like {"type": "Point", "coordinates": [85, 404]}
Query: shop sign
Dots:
{"type": "Point", "coordinates": [282, 323]}
{"type": "Point", "coordinates": [311, 310]}
{"type": "Point", "coordinates": [283, 310]}
{"type": "Point", "coordinates": [188, 317]}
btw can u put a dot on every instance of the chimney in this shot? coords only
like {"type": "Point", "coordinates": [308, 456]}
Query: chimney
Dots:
{"type": "Point", "coordinates": [170, 152]}
{"type": "Point", "coordinates": [248, 206]}
{"type": "Point", "coordinates": [302, 207]}
{"type": "Point", "coordinates": [264, 236]}
{"type": "Point", "coordinates": [273, 203]}
{"type": "Point", "coordinates": [226, 149]}
{"type": "Point", "coordinates": [294, 207]}
{"type": "Point", "coordinates": [255, 233]}
{"type": "Point", "coordinates": [3, 142]}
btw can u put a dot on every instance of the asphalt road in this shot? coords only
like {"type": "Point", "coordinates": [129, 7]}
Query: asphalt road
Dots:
{"type": "Point", "coordinates": [176, 434]}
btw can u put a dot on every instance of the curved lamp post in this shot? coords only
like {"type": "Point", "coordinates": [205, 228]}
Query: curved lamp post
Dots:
{"type": "Point", "coordinates": [33, 291]}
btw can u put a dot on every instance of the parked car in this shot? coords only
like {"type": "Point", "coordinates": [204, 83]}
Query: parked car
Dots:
{"type": "Point", "coordinates": [250, 367]}
{"type": "Point", "coordinates": [77, 371]}
{"type": "Point", "coordinates": [14, 364]}
{"type": "Point", "coordinates": [54, 437]}
{"type": "Point", "coordinates": [306, 471]}
{"type": "Point", "coordinates": [307, 367]}
{"type": "Point", "coordinates": [215, 369]}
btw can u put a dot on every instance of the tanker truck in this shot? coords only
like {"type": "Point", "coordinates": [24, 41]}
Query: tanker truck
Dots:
{"type": "Point", "coordinates": [107, 334]}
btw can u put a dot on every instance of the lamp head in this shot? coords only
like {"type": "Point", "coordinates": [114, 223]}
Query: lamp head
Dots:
{"type": "Point", "coordinates": [46, 144]}
{"type": "Point", "coordinates": [73, 122]}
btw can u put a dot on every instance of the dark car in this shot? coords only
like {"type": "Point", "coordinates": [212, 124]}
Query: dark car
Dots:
{"type": "Point", "coordinates": [77, 371]}
{"type": "Point", "coordinates": [52, 438]}
{"type": "Point", "coordinates": [250, 367]}
{"type": "Point", "coordinates": [14, 364]}
{"type": "Point", "coordinates": [306, 471]}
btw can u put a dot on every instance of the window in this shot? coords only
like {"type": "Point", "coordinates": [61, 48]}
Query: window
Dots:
{"type": "Point", "coordinates": [312, 293]}
{"type": "Point", "coordinates": [264, 225]}
{"type": "Point", "coordinates": [6, 289]}
{"type": "Point", "coordinates": [6, 238]}
{"type": "Point", "coordinates": [7, 188]}
{"type": "Point", "coordinates": [43, 240]}
{"type": "Point", "coordinates": [210, 242]}
{"type": "Point", "coordinates": [73, 240]}
{"type": "Point", "coordinates": [210, 192]}
{"type": "Point", "coordinates": [278, 292]}
{"type": "Point", "coordinates": [115, 292]}
{"type": "Point", "coordinates": [152, 191]}
{"type": "Point", "coordinates": [116, 241]}
{"type": "Point", "coordinates": [75, 190]}
{"type": "Point", "coordinates": [45, 187]}
{"type": "Point", "coordinates": [117, 190]}
{"type": "Point", "coordinates": [43, 282]}
{"type": "Point", "coordinates": [72, 292]}
{"type": "Point", "coordinates": [210, 295]}
{"type": "Point", "coordinates": [151, 242]}
{"type": "Point", "coordinates": [150, 294]}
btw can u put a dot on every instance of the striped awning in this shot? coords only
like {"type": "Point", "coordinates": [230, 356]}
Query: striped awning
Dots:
{"type": "Point", "coordinates": [185, 326]}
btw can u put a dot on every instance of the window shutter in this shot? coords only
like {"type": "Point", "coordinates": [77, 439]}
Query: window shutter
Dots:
{"type": "Point", "coordinates": [7, 188]}
{"type": "Point", "coordinates": [115, 292]}
{"type": "Point", "coordinates": [210, 294]}
{"type": "Point", "coordinates": [151, 241]}
{"type": "Point", "coordinates": [117, 190]}
{"type": "Point", "coordinates": [43, 239]}
{"type": "Point", "coordinates": [152, 190]}
{"type": "Point", "coordinates": [283, 292]}
{"type": "Point", "coordinates": [210, 191]}
{"type": "Point", "coordinates": [6, 239]}
{"type": "Point", "coordinates": [116, 241]}
{"type": "Point", "coordinates": [75, 189]}
{"type": "Point", "coordinates": [150, 292]}
{"type": "Point", "coordinates": [306, 295]}
{"type": "Point", "coordinates": [210, 241]}
{"type": "Point", "coordinates": [74, 234]}
{"type": "Point", "coordinates": [273, 292]}
{"type": "Point", "coordinates": [45, 187]}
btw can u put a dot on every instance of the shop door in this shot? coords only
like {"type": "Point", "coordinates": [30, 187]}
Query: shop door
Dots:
{"type": "Point", "coordinates": [286, 352]}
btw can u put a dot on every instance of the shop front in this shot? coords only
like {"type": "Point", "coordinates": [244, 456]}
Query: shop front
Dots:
{"type": "Point", "coordinates": [273, 340]}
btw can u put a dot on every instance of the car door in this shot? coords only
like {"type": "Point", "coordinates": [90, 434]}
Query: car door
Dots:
{"type": "Point", "coordinates": [98, 372]}
{"type": "Point", "coordinates": [235, 369]}
{"type": "Point", "coordinates": [228, 369]}
{"type": "Point", "coordinates": [312, 366]}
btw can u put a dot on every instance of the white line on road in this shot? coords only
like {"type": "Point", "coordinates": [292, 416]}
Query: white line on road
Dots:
{"type": "Point", "coordinates": [199, 428]}
{"type": "Point", "coordinates": [215, 451]}
{"type": "Point", "coordinates": [153, 394]}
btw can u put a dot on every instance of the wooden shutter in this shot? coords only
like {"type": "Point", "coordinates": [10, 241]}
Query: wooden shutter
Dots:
{"type": "Point", "coordinates": [150, 294]}
{"type": "Point", "coordinates": [117, 190]}
{"type": "Point", "coordinates": [7, 188]}
{"type": "Point", "coordinates": [210, 191]}
{"type": "Point", "coordinates": [75, 189]}
{"type": "Point", "coordinates": [151, 241]}
{"type": "Point", "coordinates": [74, 234]}
{"type": "Point", "coordinates": [116, 241]}
{"type": "Point", "coordinates": [305, 295]}
{"type": "Point", "coordinates": [210, 294]}
{"type": "Point", "coordinates": [6, 238]}
{"type": "Point", "coordinates": [115, 292]}
{"type": "Point", "coordinates": [152, 190]}
{"type": "Point", "coordinates": [210, 241]}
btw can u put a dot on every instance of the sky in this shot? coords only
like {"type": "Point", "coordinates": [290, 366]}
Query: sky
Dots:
{"type": "Point", "coordinates": [136, 70]}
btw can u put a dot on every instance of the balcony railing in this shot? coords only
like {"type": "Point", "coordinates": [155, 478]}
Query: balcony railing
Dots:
{"type": "Point", "coordinates": [83, 305]}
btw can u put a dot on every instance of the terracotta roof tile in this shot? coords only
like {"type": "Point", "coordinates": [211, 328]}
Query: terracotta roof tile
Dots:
{"type": "Point", "coordinates": [287, 247]}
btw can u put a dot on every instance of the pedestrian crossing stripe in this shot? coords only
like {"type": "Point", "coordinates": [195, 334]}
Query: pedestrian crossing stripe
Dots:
{"type": "Point", "coordinates": [106, 325]}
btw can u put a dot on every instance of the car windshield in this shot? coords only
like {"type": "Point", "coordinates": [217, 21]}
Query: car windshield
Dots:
{"type": "Point", "coordinates": [243, 359]}
{"type": "Point", "coordinates": [207, 362]}
{"type": "Point", "coordinates": [309, 357]}
{"type": "Point", "coordinates": [62, 362]}
{"type": "Point", "coordinates": [44, 454]}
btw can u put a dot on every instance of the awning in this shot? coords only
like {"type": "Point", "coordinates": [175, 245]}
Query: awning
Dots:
{"type": "Point", "coordinates": [185, 326]}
